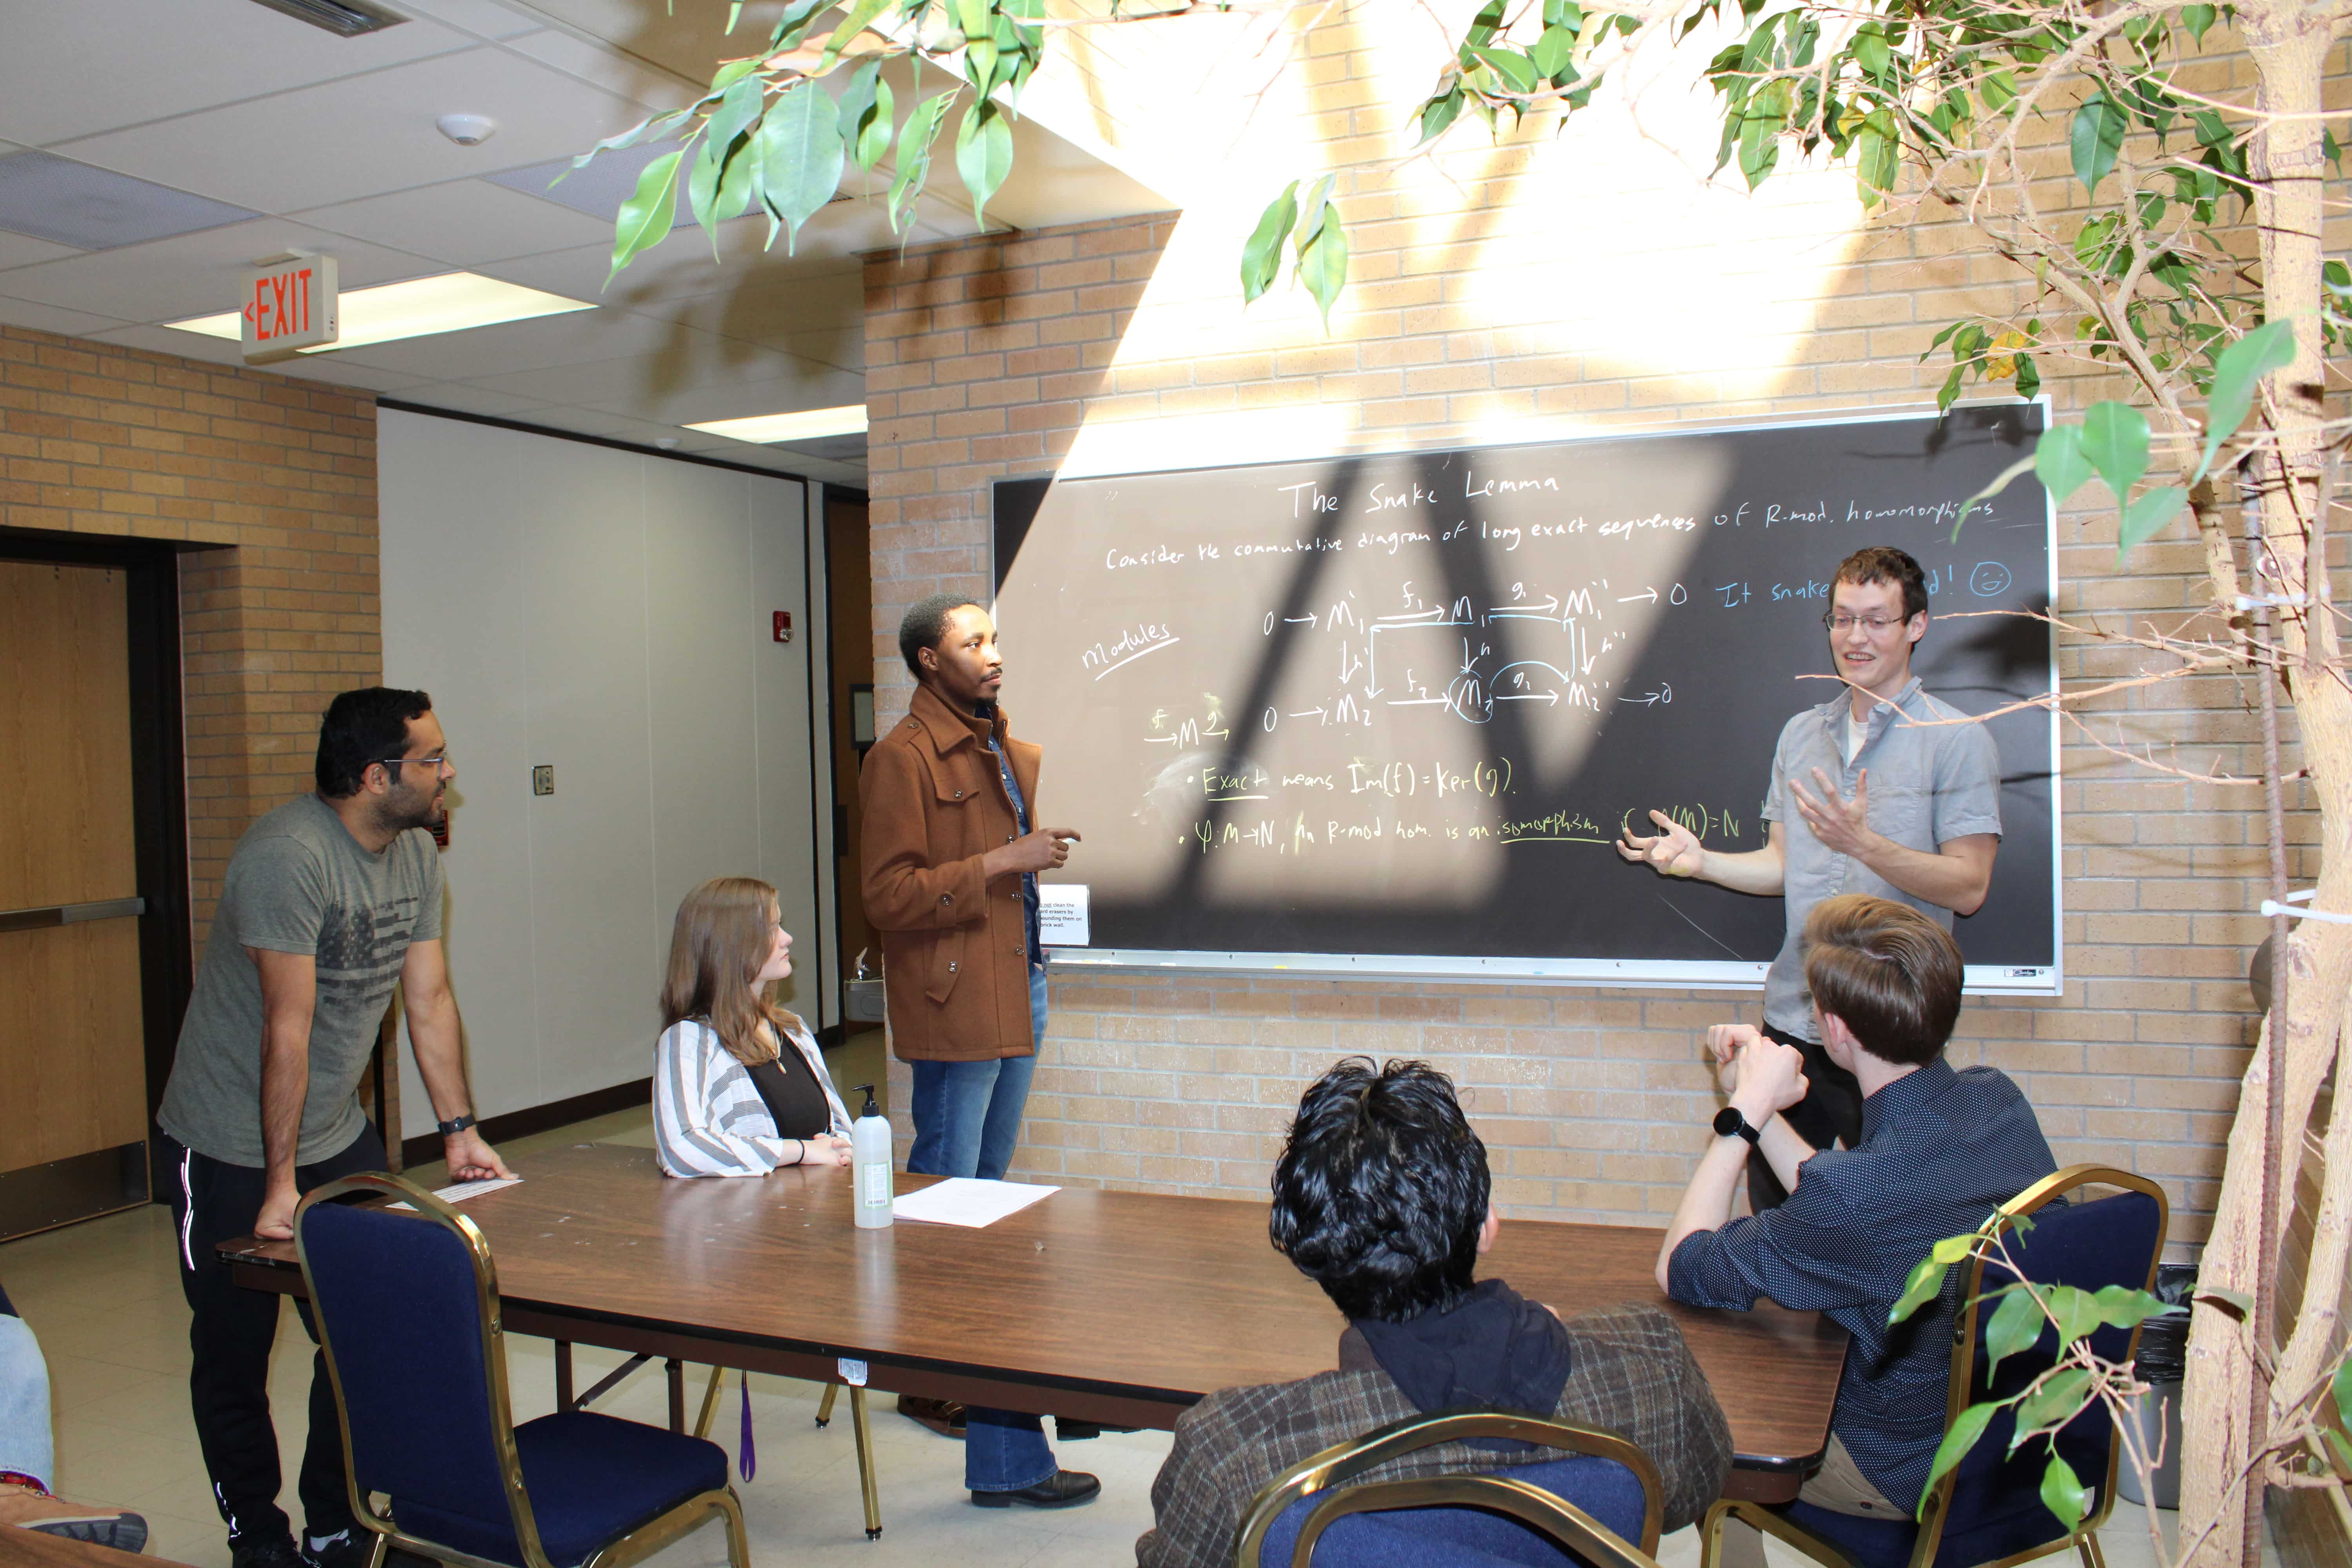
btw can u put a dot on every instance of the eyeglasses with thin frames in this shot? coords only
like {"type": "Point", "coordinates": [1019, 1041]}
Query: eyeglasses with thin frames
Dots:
{"type": "Point", "coordinates": [436, 761]}
{"type": "Point", "coordinates": [1842, 623]}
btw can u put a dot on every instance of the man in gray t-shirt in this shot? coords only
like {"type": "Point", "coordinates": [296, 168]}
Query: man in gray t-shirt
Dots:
{"type": "Point", "coordinates": [332, 901]}
{"type": "Point", "coordinates": [1881, 790]}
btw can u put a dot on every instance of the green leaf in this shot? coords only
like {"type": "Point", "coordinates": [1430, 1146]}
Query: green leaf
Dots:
{"type": "Point", "coordinates": [2114, 439]}
{"type": "Point", "coordinates": [1870, 48]}
{"type": "Point", "coordinates": [874, 136]}
{"type": "Point", "coordinates": [644, 130]}
{"type": "Point", "coordinates": [856, 104]}
{"type": "Point", "coordinates": [738, 184]}
{"type": "Point", "coordinates": [2062, 1494]}
{"type": "Point", "coordinates": [915, 141]}
{"type": "Point", "coordinates": [1878, 156]}
{"type": "Point", "coordinates": [1262, 255]}
{"type": "Point", "coordinates": [1518, 71]}
{"type": "Point", "coordinates": [2076, 1312]}
{"type": "Point", "coordinates": [1952, 1248]}
{"type": "Point", "coordinates": [736, 110]}
{"type": "Point", "coordinates": [702, 190]}
{"type": "Point", "coordinates": [2000, 483]}
{"type": "Point", "coordinates": [1551, 52]}
{"type": "Point", "coordinates": [645, 218]}
{"type": "Point", "coordinates": [2236, 1303]}
{"type": "Point", "coordinates": [2016, 1325]}
{"type": "Point", "coordinates": [1323, 262]}
{"type": "Point", "coordinates": [796, 22]}
{"type": "Point", "coordinates": [2123, 1307]}
{"type": "Point", "coordinates": [2148, 513]}
{"type": "Point", "coordinates": [2052, 1403]}
{"type": "Point", "coordinates": [1438, 113]}
{"type": "Point", "coordinates": [2059, 462]}
{"type": "Point", "coordinates": [1956, 1445]}
{"type": "Point", "coordinates": [983, 155]}
{"type": "Point", "coordinates": [2343, 1391]}
{"type": "Point", "coordinates": [1310, 212]}
{"type": "Point", "coordinates": [2197, 18]}
{"type": "Point", "coordinates": [2097, 137]}
{"type": "Point", "coordinates": [2029, 379]}
{"type": "Point", "coordinates": [860, 13]}
{"type": "Point", "coordinates": [730, 73]}
{"type": "Point", "coordinates": [2236, 374]}
{"type": "Point", "coordinates": [800, 151]}
{"type": "Point", "coordinates": [1926, 1282]}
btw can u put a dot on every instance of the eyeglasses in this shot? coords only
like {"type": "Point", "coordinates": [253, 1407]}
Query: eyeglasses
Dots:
{"type": "Point", "coordinates": [1840, 623]}
{"type": "Point", "coordinates": [436, 761]}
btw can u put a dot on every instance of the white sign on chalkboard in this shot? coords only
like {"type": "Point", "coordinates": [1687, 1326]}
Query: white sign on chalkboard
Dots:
{"type": "Point", "coordinates": [1062, 914]}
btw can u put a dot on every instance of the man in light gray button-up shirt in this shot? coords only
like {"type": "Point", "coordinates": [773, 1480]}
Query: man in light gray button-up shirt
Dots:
{"type": "Point", "coordinates": [1870, 794]}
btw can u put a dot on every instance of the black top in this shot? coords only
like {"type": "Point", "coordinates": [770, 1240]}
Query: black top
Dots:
{"type": "Point", "coordinates": [795, 1100]}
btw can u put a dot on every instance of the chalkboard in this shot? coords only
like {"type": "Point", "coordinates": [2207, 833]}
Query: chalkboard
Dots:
{"type": "Point", "coordinates": [1386, 714]}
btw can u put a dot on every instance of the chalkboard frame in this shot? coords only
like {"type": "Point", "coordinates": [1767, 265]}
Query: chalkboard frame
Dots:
{"type": "Point", "coordinates": [1016, 500]}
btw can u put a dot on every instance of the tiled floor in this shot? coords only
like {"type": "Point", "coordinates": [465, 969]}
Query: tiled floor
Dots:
{"type": "Point", "coordinates": [104, 1299]}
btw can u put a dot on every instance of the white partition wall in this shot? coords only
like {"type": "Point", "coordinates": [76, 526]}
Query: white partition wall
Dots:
{"type": "Point", "coordinates": [606, 613]}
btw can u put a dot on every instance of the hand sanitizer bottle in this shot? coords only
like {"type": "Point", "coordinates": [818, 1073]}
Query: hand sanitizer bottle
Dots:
{"type": "Point", "coordinates": [869, 1162]}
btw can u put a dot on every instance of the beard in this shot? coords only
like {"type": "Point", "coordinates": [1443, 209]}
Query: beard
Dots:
{"type": "Point", "coordinates": [405, 809]}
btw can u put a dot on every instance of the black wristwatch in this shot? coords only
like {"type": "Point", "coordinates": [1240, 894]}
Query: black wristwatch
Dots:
{"type": "Point", "coordinates": [455, 1125]}
{"type": "Point", "coordinates": [1730, 1124]}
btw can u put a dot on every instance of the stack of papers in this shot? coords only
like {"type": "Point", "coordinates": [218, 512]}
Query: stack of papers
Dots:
{"type": "Point", "coordinates": [461, 1191]}
{"type": "Point", "coordinates": [962, 1200]}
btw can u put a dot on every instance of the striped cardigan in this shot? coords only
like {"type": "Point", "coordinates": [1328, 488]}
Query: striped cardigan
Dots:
{"type": "Point", "coordinates": [709, 1118]}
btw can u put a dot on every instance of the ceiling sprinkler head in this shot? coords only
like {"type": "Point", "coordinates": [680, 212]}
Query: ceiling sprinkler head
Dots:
{"type": "Point", "coordinates": [667, 443]}
{"type": "Point", "coordinates": [466, 130]}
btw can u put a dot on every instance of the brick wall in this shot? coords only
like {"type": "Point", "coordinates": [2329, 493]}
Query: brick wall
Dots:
{"type": "Point", "coordinates": [1540, 288]}
{"type": "Point", "coordinates": [271, 482]}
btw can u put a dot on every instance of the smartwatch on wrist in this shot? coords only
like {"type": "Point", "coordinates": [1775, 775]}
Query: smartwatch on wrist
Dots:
{"type": "Point", "coordinates": [1730, 1124]}
{"type": "Point", "coordinates": [456, 1125]}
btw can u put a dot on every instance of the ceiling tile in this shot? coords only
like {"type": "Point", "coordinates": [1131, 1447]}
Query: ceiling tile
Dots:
{"type": "Point", "coordinates": [486, 19]}
{"type": "Point", "coordinates": [543, 343]}
{"type": "Point", "coordinates": [197, 274]}
{"type": "Point", "coordinates": [44, 318]}
{"type": "Point", "coordinates": [164, 57]}
{"type": "Point", "coordinates": [467, 399]}
{"type": "Point", "coordinates": [778, 385]}
{"type": "Point", "coordinates": [631, 77]}
{"type": "Point", "coordinates": [90, 209]}
{"type": "Point", "coordinates": [367, 135]}
{"type": "Point", "coordinates": [463, 222]}
{"type": "Point", "coordinates": [23, 251]}
{"type": "Point", "coordinates": [676, 362]}
{"type": "Point", "coordinates": [597, 191]}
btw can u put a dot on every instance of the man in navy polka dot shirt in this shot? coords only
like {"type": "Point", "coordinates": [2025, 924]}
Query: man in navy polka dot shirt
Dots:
{"type": "Point", "coordinates": [1939, 1151]}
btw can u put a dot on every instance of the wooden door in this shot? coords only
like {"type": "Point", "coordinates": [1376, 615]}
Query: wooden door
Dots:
{"type": "Point", "coordinates": [72, 1047]}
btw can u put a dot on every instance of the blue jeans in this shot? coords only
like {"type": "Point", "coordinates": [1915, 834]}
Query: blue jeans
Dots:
{"type": "Point", "coordinates": [25, 1443]}
{"type": "Point", "coordinates": [967, 1120]}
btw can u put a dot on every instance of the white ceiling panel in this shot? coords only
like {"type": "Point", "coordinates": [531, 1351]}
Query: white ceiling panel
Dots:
{"type": "Point", "coordinates": [680, 359]}
{"type": "Point", "coordinates": [470, 399]}
{"type": "Point", "coordinates": [542, 343]}
{"type": "Point", "coordinates": [44, 318]}
{"type": "Point", "coordinates": [23, 251]}
{"type": "Point", "coordinates": [197, 274]}
{"type": "Point", "coordinates": [463, 222]}
{"type": "Point", "coordinates": [367, 135]}
{"type": "Point", "coordinates": [631, 78]}
{"type": "Point", "coordinates": [125, 62]}
{"type": "Point", "coordinates": [761, 391]}
{"type": "Point", "coordinates": [486, 19]}
{"type": "Point", "coordinates": [687, 39]}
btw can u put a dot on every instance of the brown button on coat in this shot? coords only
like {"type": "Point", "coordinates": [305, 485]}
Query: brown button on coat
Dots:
{"type": "Point", "coordinates": [955, 959]}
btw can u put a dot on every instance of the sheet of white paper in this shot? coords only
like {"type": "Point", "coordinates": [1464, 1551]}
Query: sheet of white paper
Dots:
{"type": "Point", "coordinates": [460, 1192]}
{"type": "Point", "coordinates": [962, 1200]}
{"type": "Point", "coordinates": [1062, 914]}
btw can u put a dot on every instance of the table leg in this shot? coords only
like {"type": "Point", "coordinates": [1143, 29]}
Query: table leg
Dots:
{"type": "Point", "coordinates": [564, 1401]}
{"type": "Point", "coordinates": [865, 1462]}
{"type": "Point", "coordinates": [677, 1370]}
{"type": "Point", "coordinates": [709, 1403]}
{"type": "Point", "coordinates": [824, 1405]}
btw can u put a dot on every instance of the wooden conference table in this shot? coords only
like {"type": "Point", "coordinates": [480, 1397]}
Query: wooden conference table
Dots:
{"type": "Point", "coordinates": [1123, 1307]}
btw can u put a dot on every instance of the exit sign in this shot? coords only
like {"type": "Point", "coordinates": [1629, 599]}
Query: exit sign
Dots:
{"type": "Point", "coordinates": [289, 305]}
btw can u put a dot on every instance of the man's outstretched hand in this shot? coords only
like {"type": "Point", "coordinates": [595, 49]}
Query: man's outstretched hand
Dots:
{"type": "Point", "coordinates": [1673, 851]}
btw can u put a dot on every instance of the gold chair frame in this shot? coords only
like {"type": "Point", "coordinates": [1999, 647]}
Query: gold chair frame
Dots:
{"type": "Point", "coordinates": [1530, 1505]}
{"type": "Point", "coordinates": [1341, 1461]}
{"type": "Point", "coordinates": [1937, 1501]}
{"type": "Point", "coordinates": [634, 1546]}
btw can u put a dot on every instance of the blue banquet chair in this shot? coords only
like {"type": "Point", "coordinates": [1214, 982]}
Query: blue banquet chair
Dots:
{"type": "Point", "coordinates": [407, 1310]}
{"type": "Point", "coordinates": [1988, 1509]}
{"type": "Point", "coordinates": [1586, 1508]}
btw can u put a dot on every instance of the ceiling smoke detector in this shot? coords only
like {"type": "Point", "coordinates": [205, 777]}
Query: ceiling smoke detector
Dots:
{"type": "Point", "coordinates": [346, 18]}
{"type": "Point", "coordinates": [466, 130]}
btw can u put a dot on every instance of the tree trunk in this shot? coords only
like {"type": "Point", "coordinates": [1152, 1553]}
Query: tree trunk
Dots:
{"type": "Point", "coordinates": [2288, 40]}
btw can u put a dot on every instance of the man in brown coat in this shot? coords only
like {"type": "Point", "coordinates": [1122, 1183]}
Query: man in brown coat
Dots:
{"type": "Point", "coordinates": [952, 864]}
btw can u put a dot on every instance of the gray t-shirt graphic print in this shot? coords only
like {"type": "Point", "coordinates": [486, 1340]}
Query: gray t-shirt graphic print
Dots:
{"type": "Point", "coordinates": [298, 883]}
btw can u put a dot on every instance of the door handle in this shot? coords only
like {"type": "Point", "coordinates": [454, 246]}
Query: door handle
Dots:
{"type": "Point", "coordinates": [70, 914]}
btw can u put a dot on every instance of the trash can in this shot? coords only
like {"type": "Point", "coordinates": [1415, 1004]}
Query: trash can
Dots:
{"type": "Point", "coordinates": [2162, 1363]}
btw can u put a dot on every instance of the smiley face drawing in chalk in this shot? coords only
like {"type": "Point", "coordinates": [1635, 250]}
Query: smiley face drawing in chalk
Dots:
{"type": "Point", "coordinates": [1990, 578]}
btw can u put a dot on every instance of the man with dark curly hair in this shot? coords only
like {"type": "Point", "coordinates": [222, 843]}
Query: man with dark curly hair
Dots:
{"type": "Point", "coordinates": [1380, 1198]}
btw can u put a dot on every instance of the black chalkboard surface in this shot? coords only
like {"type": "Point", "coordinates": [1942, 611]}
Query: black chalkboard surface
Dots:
{"type": "Point", "coordinates": [1385, 714]}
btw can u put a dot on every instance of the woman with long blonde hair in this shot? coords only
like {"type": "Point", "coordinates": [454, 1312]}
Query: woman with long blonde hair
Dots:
{"type": "Point", "coordinates": [732, 1097]}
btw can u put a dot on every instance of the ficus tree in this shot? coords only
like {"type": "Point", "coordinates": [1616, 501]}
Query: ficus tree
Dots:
{"type": "Point", "coordinates": [2162, 229]}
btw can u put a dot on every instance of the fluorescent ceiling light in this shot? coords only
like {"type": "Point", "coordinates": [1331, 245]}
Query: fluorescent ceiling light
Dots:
{"type": "Point", "coordinates": [767, 429]}
{"type": "Point", "coordinates": [416, 309]}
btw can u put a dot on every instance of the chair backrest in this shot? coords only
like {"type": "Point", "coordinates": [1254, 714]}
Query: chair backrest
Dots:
{"type": "Point", "coordinates": [1611, 1480]}
{"type": "Point", "coordinates": [1502, 1519]}
{"type": "Point", "coordinates": [1989, 1507]}
{"type": "Point", "coordinates": [407, 1315]}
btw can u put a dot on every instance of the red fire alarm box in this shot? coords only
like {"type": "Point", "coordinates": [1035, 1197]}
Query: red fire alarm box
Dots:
{"type": "Point", "coordinates": [783, 625]}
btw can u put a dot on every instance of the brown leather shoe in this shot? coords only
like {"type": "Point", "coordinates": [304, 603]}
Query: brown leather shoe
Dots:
{"type": "Point", "coordinates": [944, 1417]}
{"type": "Point", "coordinates": [1062, 1488]}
